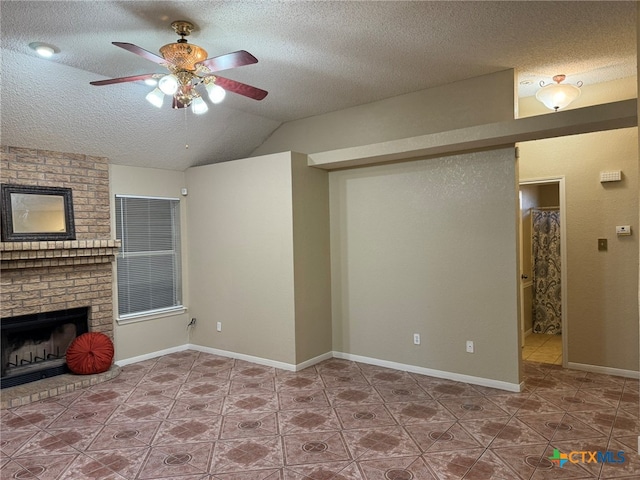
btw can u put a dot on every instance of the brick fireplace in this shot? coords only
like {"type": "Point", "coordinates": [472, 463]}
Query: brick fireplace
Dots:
{"type": "Point", "coordinates": [47, 276]}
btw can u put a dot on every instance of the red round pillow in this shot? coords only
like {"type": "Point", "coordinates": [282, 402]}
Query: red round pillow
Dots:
{"type": "Point", "coordinates": [90, 353]}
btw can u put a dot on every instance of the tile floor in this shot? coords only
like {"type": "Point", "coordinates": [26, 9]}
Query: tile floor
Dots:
{"type": "Point", "coordinates": [542, 348]}
{"type": "Point", "coordinates": [197, 416]}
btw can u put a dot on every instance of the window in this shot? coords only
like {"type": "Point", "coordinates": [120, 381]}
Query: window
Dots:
{"type": "Point", "coordinates": [148, 264]}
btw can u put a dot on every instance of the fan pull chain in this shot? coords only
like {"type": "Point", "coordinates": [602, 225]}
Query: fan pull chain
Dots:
{"type": "Point", "coordinates": [186, 130]}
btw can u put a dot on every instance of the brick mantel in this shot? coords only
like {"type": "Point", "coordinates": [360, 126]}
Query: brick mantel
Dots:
{"type": "Point", "coordinates": [59, 253]}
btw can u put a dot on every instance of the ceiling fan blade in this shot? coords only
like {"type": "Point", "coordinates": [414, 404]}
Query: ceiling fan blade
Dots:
{"type": "Point", "coordinates": [229, 60]}
{"type": "Point", "coordinates": [130, 47]}
{"type": "Point", "coordinates": [133, 78]}
{"type": "Point", "coordinates": [241, 88]}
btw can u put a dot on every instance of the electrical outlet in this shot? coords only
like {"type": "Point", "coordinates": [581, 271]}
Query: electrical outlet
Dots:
{"type": "Point", "coordinates": [219, 326]}
{"type": "Point", "coordinates": [470, 347]}
{"type": "Point", "coordinates": [416, 339]}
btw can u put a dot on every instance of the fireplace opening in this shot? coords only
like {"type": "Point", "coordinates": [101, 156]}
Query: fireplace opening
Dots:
{"type": "Point", "coordinates": [34, 346]}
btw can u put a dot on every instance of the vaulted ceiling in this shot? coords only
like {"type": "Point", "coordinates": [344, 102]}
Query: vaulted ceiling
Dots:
{"type": "Point", "coordinates": [314, 57]}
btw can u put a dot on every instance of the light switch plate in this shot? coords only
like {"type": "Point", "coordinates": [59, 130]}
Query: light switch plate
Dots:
{"type": "Point", "coordinates": [602, 244]}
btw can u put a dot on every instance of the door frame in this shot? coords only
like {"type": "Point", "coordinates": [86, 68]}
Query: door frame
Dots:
{"type": "Point", "coordinates": [560, 180]}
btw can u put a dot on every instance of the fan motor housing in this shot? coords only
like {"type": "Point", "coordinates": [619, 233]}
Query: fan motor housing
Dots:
{"type": "Point", "coordinates": [183, 55]}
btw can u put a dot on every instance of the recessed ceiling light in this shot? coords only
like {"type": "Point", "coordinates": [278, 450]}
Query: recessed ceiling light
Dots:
{"type": "Point", "coordinates": [43, 49]}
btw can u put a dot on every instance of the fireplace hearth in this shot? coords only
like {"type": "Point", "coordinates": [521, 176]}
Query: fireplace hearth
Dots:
{"type": "Point", "coordinates": [34, 346]}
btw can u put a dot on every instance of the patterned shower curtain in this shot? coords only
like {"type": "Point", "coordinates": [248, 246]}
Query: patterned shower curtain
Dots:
{"type": "Point", "coordinates": [547, 312]}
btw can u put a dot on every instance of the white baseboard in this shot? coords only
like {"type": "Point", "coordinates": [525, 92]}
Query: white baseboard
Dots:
{"type": "Point", "coordinates": [528, 332]}
{"type": "Point", "coordinates": [606, 370]}
{"type": "Point", "coordinates": [263, 361]}
{"type": "Point", "coordinates": [485, 382]}
{"type": "Point", "coordinates": [313, 361]}
{"type": "Point", "coordinates": [225, 353]}
{"type": "Point", "coordinates": [148, 356]}
{"type": "Point", "coordinates": [458, 377]}
{"type": "Point", "coordinates": [241, 356]}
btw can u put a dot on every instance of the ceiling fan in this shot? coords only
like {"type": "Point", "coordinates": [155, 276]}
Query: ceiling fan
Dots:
{"type": "Point", "coordinates": [189, 67]}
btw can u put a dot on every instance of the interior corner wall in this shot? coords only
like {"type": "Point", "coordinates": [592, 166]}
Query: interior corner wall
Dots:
{"type": "Point", "coordinates": [312, 267]}
{"type": "Point", "coordinates": [475, 101]}
{"type": "Point", "coordinates": [241, 257]}
{"type": "Point", "coordinates": [602, 287]}
{"type": "Point", "coordinates": [149, 336]}
{"type": "Point", "coordinates": [428, 247]}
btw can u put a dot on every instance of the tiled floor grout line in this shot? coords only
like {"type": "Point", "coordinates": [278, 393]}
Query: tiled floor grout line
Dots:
{"type": "Point", "coordinates": [514, 416]}
{"type": "Point", "coordinates": [485, 449]}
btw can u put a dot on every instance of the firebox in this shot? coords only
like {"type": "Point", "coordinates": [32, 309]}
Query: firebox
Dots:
{"type": "Point", "coordinates": [34, 346]}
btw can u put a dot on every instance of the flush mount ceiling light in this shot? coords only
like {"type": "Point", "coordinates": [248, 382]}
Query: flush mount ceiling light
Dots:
{"type": "Point", "coordinates": [557, 96]}
{"type": "Point", "coordinates": [189, 67]}
{"type": "Point", "coordinates": [43, 49]}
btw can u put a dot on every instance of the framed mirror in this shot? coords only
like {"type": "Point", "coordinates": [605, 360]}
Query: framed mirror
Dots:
{"type": "Point", "coordinates": [36, 213]}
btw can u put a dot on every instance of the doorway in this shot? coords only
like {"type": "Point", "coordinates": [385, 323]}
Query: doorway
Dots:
{"type": "Point", "coordinates": [542, 264]}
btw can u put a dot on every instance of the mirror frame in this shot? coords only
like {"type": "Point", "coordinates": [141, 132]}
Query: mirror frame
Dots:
{"type": "Point", "coordinates": [6, 210]}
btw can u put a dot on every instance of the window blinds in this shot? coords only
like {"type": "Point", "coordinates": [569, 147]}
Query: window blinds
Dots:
{"type": "Point", "coordinates": [148, 264]}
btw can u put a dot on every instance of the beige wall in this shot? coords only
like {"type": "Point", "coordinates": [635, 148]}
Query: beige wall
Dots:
{"type": "Point", "coordinates": [549, 195]}
{"type": "Point", "coordinates": [312, 268]}
{"type": "Point", "coordinates": [241, 256]}
{"type": "Point", "coordinates": [428, 247]}
{"type": "Point", "coordinates": [479, 100]}
{"type": "Point", "coordinates": [601, 321]}
{"type": "Point", "coordinates": [149, 336]}
{"type": "Point", "coordinates": [260, 257]}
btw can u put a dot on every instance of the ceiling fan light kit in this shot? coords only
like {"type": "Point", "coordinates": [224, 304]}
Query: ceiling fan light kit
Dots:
{"type": "Point", "coordinates": [557, 96]}
{"type": "Point", "coordinates": [168, 84]}
{"type": "Point", "coordinates": [155, 97]}
{"type": "Point", "coordinates": [198, 105]}
{"type": "Point", "coordinates": [216, 92]}
{"type": "Point", "coordinates": [189, 67]}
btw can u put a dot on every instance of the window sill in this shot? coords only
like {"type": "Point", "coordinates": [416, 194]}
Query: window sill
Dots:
{"type": "Point", "coordinates": [152, 316]}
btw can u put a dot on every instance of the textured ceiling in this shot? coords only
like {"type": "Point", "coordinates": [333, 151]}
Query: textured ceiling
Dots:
{"type": "Point", "coordinates": [314, 57]}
